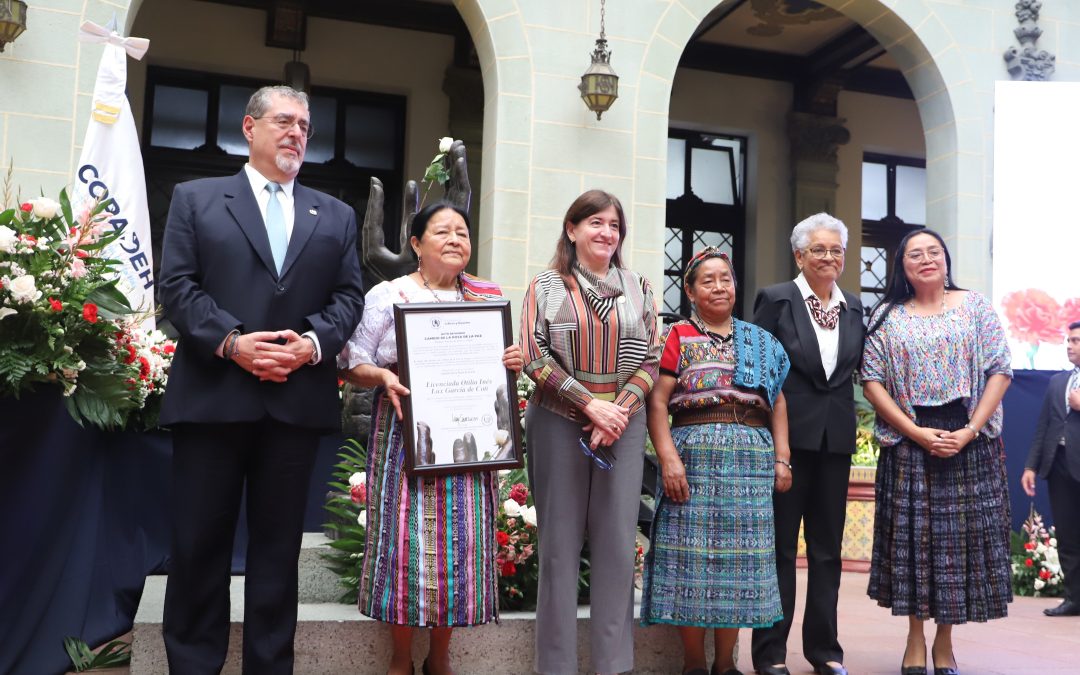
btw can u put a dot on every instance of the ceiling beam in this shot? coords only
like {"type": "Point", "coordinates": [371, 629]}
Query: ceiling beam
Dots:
{"type": "Point", "coordinates": [849, 46]}
{"type": "Point", "coordinates": [741, 61]}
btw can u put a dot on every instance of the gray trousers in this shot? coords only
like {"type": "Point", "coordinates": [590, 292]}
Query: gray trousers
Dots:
{"type": "Point", "coordinates": [572, 496]}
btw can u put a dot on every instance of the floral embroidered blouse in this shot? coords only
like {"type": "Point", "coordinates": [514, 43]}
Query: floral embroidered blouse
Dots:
{"type": "Point", "coordinates": [932, 360]}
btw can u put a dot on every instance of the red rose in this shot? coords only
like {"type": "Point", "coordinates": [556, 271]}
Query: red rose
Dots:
{"type": "Point", "coordinates": [358, 493]}
{"type": "Point", "coordinates": [509, 569]}
{"type": "Point", "coordinates": [170, 348]}
{"type": "Point", "coordinates": [56, 305]}
{"type": "Point", "coordinates": [1033, 316]}
{"type": "Point", "coordinates": [502, 537]}
{"type": "Point", "coordinates": [1029, 546]}
{"type": "Point", "coordinates": [1029, 562]}
{"type": "Point", "coordinates": [26, 207]}
{"type": "Point", "coordinates": [519, 493]}
{"type": "Point", "coordinates": [1044, 574]}
{"type": "Point", "coordinates": [89, 312]}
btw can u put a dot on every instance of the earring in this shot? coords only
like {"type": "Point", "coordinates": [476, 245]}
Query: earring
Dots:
{"type": "Point", "coordinates": [907, 287]}
{"type": "Point", "coordinates": [573, 241]}
{"type": "Point", "coordinates": [948, 284]}
{"type": "Point", "coordinates": [419, 261]}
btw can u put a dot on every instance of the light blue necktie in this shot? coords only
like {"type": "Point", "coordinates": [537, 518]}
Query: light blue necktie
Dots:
{"type": "Point", "coordinates": [275, 226]}
{"type": "Point", "coordinates": [1074, 383]}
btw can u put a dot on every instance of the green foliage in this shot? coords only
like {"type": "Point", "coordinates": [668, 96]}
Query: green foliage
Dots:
{"type": "Point", "coordinates": [348, 536]}
{"type": "Point", "coordinates": [116, 653]}
{"type": "Point", "coordinates": [867, 449]}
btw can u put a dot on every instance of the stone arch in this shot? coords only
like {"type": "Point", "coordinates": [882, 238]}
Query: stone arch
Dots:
{"type": "Point", "coordinates": [939, 78]}
{"type": "Point", "coordinates": [498, 31]}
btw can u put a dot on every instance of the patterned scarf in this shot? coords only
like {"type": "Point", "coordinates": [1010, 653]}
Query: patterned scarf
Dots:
{"type": "Point", "coordinates": [601, 294]}
{"type": "Point", "coordinates": [825, 319]}
{"type": "Point", "coordinates": [477, 289]}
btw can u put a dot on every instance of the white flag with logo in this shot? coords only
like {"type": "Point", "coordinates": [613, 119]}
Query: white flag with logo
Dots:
{"type": "Point", "coordinates": [111, 167]}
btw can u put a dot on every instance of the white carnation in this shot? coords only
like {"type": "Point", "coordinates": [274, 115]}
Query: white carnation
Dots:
{"type": "Point", "coordinates": [1039, 583]}
{"type": "Point", "coordinates": [358, 478]}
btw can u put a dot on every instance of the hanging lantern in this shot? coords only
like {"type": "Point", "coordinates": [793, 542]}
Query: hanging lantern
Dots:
{"type": "Point", "coordinates": [12, 20]}
{"type": "Point", "coordinates": [600, 85]}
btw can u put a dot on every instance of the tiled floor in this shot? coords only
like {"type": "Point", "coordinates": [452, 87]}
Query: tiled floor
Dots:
{"type": "Point", "coordinates": [1024, 643]}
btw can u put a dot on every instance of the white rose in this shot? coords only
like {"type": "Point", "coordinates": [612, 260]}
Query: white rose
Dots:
{"type": "Point", "coordinates": [1039, 583]}
{"type": "Point", "coordinates": [511, 508]}
{"type": "Point", "coordinates": [5, 312]}
{"type": "Point", "coordinates": [358, 478]}
{"type": "Point", "coordinates": [444, 143]}
{"type": "Point", "coordinates": [361, 519]}
{"type": "Point", "coordinates": [528, 514]}
{"type": "Point", "coordinates": [23, 289]}
{"type": "Point", "coordinates": [45, 207]}
{"type": "Point", "coordinates": [8, 239]}
{"type": "Point", "coordinates": [1053, 542]}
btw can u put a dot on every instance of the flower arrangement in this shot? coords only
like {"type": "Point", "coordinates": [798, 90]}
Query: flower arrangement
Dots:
{"type": "Point", "coordinates": [1036, 570]}
{"type": "Point", "coordinates": [152, 353]}
{"type": "Point", "coordinates": [63, 322]}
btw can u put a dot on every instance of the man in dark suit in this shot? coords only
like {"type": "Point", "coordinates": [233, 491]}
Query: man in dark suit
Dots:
{"type": "Point", "coordinates": [821, 327]}
{"type": "Point", "coordinates": [1055, 456]}
{"type": "Point", "coordinates": [261, 277]}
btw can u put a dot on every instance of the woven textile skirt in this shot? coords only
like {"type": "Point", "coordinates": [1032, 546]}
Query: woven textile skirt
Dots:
{"type": "Point", "coordinates": [430, 553]}
{"type": "Point", "coordinates": [941, 527]}
{"type": "Point", "coordinates": [712, 559]}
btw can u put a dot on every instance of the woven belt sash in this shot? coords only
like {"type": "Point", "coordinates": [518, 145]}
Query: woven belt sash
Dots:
{"type": "Point", "coordinates": [729, 413]}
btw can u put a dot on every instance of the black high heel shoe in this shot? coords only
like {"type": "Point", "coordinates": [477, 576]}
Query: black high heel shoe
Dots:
{"type": "Point", "coordinates": [948, 670]}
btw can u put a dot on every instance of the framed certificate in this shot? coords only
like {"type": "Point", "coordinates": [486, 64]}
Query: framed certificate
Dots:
{"type": "Point", "coordinates": [461, 413]}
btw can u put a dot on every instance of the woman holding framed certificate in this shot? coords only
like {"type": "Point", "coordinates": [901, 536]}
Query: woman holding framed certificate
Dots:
{"type": "Point", "coordinates": [589, 332]}
{"type": "Point", "coordinates": [430, 554]}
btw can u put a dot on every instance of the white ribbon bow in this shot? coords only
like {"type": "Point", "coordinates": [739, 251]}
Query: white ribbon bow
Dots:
{"type": "Point", "coordinates": [135, 47]}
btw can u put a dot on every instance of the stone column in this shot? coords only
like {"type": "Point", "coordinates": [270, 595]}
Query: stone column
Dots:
{"type": "Point", "coordinates": [815, 140]}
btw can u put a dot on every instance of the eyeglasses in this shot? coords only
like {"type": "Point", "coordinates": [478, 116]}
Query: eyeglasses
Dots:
{"type": "Point", "coordinates": [286, 122]}
{"type": "Point", "coordinates": [929, 254]}
{"type": "Point", "coordinates": [600, 455]}
{"type": "Point", "coordinates": [820, 252]}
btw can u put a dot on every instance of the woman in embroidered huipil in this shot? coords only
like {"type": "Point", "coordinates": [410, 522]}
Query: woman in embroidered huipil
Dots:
{"type": "Point", "coordinates": [711, 563]}
{"type": "Point", "coordinates": [588, 330]}
{"type": "Point", "coordinates": [935, 368]}
{"type": "Point", "coordinates": [415, 572]}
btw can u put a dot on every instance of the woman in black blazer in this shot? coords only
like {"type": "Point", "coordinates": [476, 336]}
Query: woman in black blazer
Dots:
{"type": "Point", "coordinates": [821, 327]}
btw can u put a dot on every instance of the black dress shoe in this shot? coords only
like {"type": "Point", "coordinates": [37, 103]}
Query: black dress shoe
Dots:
{"type": "Point", "coordinates": [826, 669]}
{"type": "Point", "coordinates": [1066, 608]}
{"type": "Point", "coordinates": [772, 670]}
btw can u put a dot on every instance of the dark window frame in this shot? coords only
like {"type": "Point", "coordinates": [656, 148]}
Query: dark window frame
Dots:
{"type": "Point", "coordinates": [337, 176]}
{"type": "Point", "coordinates": [691, 213]}
{"type": "Point", "coordinates": [886, 232]}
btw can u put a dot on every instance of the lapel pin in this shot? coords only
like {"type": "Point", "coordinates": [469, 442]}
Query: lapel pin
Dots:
{"type": "Point", "coordinates": [313, 212]}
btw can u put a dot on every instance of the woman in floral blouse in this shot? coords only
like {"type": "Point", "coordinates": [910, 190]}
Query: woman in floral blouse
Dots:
{"type": "Point", "coordinates": [935, 368]}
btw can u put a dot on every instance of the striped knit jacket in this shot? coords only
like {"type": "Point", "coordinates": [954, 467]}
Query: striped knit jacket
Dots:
{"type": "Point", "coordinates": [577, 348]}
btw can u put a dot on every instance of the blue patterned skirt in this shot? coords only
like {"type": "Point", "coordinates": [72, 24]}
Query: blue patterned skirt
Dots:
{"type": "Point", "coordinates": [712, 559]}
{"type": "Point", "coordinates": [941, 527]}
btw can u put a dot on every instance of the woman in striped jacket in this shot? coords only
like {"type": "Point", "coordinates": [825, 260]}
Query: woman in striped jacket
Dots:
{"type": "Point", "coordinates": [589, 337]}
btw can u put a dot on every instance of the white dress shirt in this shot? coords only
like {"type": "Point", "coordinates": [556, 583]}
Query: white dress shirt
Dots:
{"type": "Point", "coordinates": [828, 340]}
{"type": "Point", "coordinates": [288, 211]}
